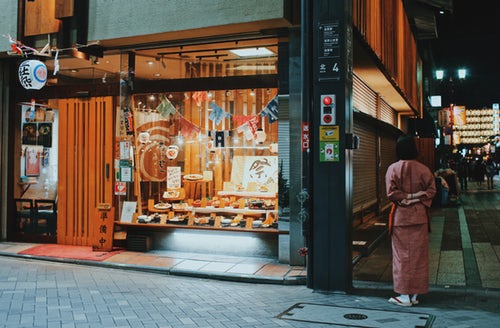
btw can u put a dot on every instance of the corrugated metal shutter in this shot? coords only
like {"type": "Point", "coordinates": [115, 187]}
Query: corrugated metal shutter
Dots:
{"type": "Point", "coordinates": [364, 168]}
{"type": "Point", "coordinates": [387, 114]}
{"type": "Point", "coordinates": [284, 136]}
{"type": "Point", "coordinates": [364, 99]}
{"type": "Point", "coordinates": [387, 157]}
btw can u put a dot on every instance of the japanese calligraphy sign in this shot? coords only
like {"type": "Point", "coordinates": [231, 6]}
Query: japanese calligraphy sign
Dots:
{"type": "Point", "coordinates": [32, 74]}
{"type": "Point", "coordinates": [103, 228]}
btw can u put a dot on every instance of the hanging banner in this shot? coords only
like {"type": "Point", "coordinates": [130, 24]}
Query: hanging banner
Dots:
{"type": "Point", "coordinates": [32, 74]}
{"type": "Point", "coordinates": [459, 115]}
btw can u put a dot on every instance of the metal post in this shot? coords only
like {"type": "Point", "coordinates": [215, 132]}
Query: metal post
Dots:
{"type": "Point", "coordinates": [327, 38]}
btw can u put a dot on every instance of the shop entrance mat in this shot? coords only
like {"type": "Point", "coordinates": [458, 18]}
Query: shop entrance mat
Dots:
{"type": "Point", "coordinates": [69, 252]}
{"type": "Point", "coordinates": [355, 317]}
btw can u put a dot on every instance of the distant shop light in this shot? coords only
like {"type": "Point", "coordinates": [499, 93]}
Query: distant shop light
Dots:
{"type": "Point", "coordinates": [462, 73]}
{"type": "Point", "coordinates": [439, 74]}
{"type": "Point", "coordinates": [435, 101]}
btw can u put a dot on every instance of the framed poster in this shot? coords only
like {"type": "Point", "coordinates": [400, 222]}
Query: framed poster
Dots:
{"type": "Point", "coordinates": [45, 134]}
{"type": "Point", "coordinates": [32, 165]}
{"type": "Point", "coordinates": [29, 133]}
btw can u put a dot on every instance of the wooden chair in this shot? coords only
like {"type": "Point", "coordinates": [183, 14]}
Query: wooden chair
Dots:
{"type": "Point", "coordinates": [24, 214]}
{"type": "Point", "coordinates": [45, 216]}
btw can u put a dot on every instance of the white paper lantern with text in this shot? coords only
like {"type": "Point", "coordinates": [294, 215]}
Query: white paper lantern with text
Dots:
{"type": "Point", "coordinates": [32, 74]}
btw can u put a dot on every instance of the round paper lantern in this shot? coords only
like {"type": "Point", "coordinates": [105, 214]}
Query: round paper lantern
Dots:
{"type": "Point", "coordinates": [172, 152]}
{"type": "Point", "coordinates": [32, 74]}
{"type": "Point", "coordinates": [260, 136]}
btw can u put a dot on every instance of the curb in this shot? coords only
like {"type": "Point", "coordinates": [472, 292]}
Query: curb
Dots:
{"type": "Point", "coordinates": [294, 280]}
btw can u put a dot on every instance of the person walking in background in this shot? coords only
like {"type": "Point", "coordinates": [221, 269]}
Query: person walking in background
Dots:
{"type": "Point", "coordinates": [463, 173]}
{"type": "Point", "coordinates": [410, 185]}
{"type": "Point", "coordinates": [490, 172]}
{"type": "Point", "coordinates": [479, 171]}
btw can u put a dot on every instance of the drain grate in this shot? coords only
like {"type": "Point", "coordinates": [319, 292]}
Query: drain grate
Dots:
{"type": "Point", "coordinates": [355, 317]}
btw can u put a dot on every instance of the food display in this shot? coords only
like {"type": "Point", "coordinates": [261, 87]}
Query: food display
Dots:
{"type": "Point", "coordinates": [218, 212]}
{"type": "Point", "coordinates": [162, 206]}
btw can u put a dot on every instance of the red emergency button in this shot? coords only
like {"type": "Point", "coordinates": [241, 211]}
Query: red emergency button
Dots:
{"type": "Point", "coordinates": [327, 100]}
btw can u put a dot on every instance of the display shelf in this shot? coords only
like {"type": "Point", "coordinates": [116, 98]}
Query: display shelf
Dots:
{"type": "Point", "coordinates": [248, 194]}
{"type": "Point", "coordinates": [228, 210]}
{"type": "Point", "coordinates": [160, 226]}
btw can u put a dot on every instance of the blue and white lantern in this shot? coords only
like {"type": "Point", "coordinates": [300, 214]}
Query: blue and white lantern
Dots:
{"type": "Point", "coordinates": [32, 74]}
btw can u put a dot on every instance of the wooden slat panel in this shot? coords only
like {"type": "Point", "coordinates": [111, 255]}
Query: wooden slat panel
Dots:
{"type": "Point", "coordinates": [62, 177]}
{"type": "Point", "coordinates": [85, 146]}
{"type": "Point", "coordinates": [39, 18]}
{"type": "Point", "coordinates": [71, 171]}
{"type": "Point", "coordinates": [80, 197]}
{"type": "Point", "coordinates": [108, 147]}
{"type": "Point", "coordinates": [385, 27]}
{"type": "Point", "coordinates": [64, 8]}
{"type": "Point", "coordinates": [92, 142]}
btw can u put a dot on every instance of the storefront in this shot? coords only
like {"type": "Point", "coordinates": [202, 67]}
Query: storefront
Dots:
{"type": "Point", "coordinates": [186, 153]}
{"type": "Point", "coordinates": [199, 166]}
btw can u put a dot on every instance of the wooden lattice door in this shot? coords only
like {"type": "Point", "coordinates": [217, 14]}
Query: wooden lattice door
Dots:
{"type": "Point", "coordinates": [85, 166]}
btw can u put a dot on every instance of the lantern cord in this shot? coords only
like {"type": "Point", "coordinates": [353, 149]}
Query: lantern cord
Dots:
{"type": "Point", "coordinates": [18, 48]}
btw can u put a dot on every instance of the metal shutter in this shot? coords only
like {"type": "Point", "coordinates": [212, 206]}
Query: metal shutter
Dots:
{"type": "Point", "coordinates": [364, 99]}
{"type": "Point", "coordinates": [387, 114]}
{"type": "Point", "coordinates": [364, 167]}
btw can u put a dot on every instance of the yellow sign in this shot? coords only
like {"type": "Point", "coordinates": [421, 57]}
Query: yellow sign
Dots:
{"type": "Point", "coordinates": [329, 133]}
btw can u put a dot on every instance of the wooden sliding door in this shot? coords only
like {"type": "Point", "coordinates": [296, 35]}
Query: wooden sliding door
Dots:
{"type": "Point", "coordinates": [85, 166]}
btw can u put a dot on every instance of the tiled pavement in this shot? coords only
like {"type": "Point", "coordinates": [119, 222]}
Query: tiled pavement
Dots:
{"type": "Point", "coordinates": [465, 283]}
{"type": "Point", "coordinates": [464, 245]}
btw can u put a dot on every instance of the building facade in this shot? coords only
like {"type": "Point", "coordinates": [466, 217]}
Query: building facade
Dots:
{"type": "Point", "coordinates": [188, 119]}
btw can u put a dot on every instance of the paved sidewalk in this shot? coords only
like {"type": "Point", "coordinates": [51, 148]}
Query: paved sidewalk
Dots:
{"type": "Point", "coordinates": [464, 245]}
{"type": "Point", "coordinates": [244, 269]}
{"type": "Point", "coordinates": [37, 293]}
{"type": "Point", "coordinates": [464, 250]}
{"type": "Point", "coordinates": [169, 289]}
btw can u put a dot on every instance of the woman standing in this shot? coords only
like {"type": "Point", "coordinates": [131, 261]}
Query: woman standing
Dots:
{"type": "Point", "coordinates": [410, 185]}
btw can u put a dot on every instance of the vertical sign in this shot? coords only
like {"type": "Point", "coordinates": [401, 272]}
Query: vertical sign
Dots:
{"type": "Point", "coordinates": [329, 52]}
{"type": "Point", "coordinates": [305, 136]}
{"type": "Point", "coordinates": [103, 228]}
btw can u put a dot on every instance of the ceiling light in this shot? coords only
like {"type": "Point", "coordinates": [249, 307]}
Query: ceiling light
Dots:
{"type": "Point", "coordinates": [252, 52]}
{"type": "Point", "coordinates": [253, 68]}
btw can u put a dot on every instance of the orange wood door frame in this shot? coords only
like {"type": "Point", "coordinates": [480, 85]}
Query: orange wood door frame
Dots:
{"type": "Point", "coordinates": [85, 164]}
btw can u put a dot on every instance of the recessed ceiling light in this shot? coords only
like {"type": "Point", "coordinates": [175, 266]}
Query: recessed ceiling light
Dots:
{"type": "Point", "coordinates": [252, 52]}
{"type": "Point", "coordinates": [157, 74]}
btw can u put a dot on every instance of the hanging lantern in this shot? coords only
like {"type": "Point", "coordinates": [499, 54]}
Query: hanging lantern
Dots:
{"type": "Point", "coordinates": [32, 74]}
{"type": "Point", "coordinates": [260, 136]}
{"type": "Point", "coordinates": [172, 152]}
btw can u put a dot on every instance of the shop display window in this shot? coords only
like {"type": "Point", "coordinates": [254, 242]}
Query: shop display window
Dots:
{"type": "Point", "coordinates": [202, 158]}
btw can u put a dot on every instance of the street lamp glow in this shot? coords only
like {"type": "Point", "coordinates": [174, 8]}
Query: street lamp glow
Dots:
{"type": "Point", "coordinates": [462, 73]}
{"type": "Point", "coordinates": [439, 74]}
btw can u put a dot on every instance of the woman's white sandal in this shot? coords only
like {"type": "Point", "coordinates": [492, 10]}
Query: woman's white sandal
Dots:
{"type": "Point", "coordinates": [397, 301]}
